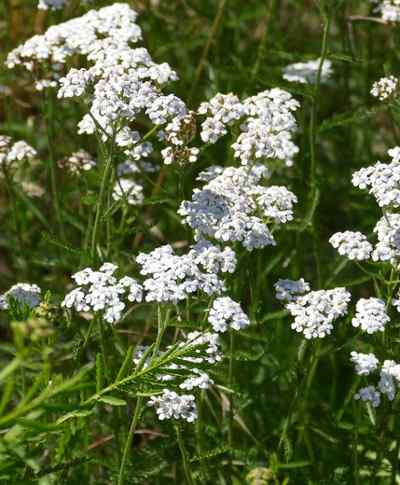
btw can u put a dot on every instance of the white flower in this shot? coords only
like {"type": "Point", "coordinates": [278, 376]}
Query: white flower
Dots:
{"type": "Point", "coordinates": [389, 9]}
{"type": "Point", "coordinates": [128, 190]}
{"type": "Point", "coordinates": [13, 152]}
{"type": "Point", "coordinates": [226, 207]}
{"type": "Point", "coordinates": [290, 290]}
{"type": "Point", "coordinates": [170, 405]}
{"type": "Point", "coordinates": [211, 353]}
{"type": "Point", "coordinates": [369, 394]}
{"type": "Point", "coordinates": [222, 110]}
{"type": "Point", "coordinates": [267, 131]}
{"type": "Point", "coordinates": [306, 72]}
{"type": "Point", "coordinates": [172, 278]}
{"type": "Point", "coordinates": [370, 315]}
{"type": "Point", "coordinates": [75, 83]}
{"type": "Point", "coordinates": [316, 311]}
{"type": "Point", "coordinates": [23, 293]}
{"type": "Point", "coordinates": [354, 245]}
{"type": "Point", "coordinates": [365, 363]}
{"type": "Point", "coordinates": [78, 162]}
{"type": "Point", "coordinates": [199, 380]}
{"type": "Point", "coordinates": [392, 368]}
{"type": "Point", "coordinates": [388, 232]}
{"type": "Point", "coordinates": [100, 291]}
{"type": "Point", "coordinates": [52, 4]}
{"type": "Point", "coordinates": [387, 384]}
{"type": "Point", "coordinates": [227, 314]}
{"type": "Point", "coordinates": [277, 203]}
{"type": "Point", "coordinates": [382, 180]}
{"type": "Point", "coordinates": [385, 87]}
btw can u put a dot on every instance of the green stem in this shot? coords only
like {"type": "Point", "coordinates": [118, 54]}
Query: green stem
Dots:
{"type": "Point", "coordinates": [129, 439]}
{"type": "Point", "coordinates": [100, 203]}
{"type": "Point", "coordinates": [185, 461]}
{"type": "Point", "coordinates": [231, 404]}
{"type": "Point", "coordinates": [49, 116]}
{"type": "Point", "coordinates": [103, 349]}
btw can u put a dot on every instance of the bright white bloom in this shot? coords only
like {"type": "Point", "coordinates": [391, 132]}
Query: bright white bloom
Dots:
{"type": "Point", "coordinates": [392, 368]}
{"type": "Point", "coordinates": [277, 203]}
{"type": "Point", "coordinates": [78, 162]}
{"type": "Point", "coordinates": [75, 83]}
{"type": "Point", "coordinates": [388, 9]}
{"type": "Point", "coordinates": [128, 190]}
{"type": "Point", "coordinates": [226, 314]}
{"type": "Point", "coordinates": [316, 311]}
{"type": "Point", "coordinates": [382, 180]}
{"type": "Point", "coordinates": [307, 72]}
{"type": "Point", "coordinates": [211, 353]}
{"type": "Point", "coordinates": [231, 207]}
{"type": "Point", "coordinates": [354, 245]}
{"type": "Point", "coordinates": [20, 151]}
{"type": "Point", "coordinates": [23, 293]}
{"type": "Point", "coordinates": [52, 4]}
{"type": "Point", "coordinates": [268, 129]}
{"type": "Point", "coordinates": [120, 82]}
{"type": "Point", "coordinates": [369, 394]}
{"type": "Point", "coordinates": [370, 315]}
{"type": "Point", "coordinates": [222, 110]}
{"type": "Point", "coordinates": [385, 87]}
{"type": "Point", "coordinates": [100, 291]}
{"type": "Point", "coordinates": [199, 380]}
{"type": "Point", "coordinates": [365, 363]}
{"type": "Point", "coordinates": [290, 290]}
{"type": "Point", "coordinates": [388, 232]}
{"type": "Point", "coordinates": [12, 152]}
{"type": "Point", "coordinates": [170, 405]}
{"type": "Point", "coordinates": [172, 278]}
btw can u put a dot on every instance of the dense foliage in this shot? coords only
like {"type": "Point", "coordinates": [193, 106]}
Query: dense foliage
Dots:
{"type": "Point", "coordinates": [200, 251]}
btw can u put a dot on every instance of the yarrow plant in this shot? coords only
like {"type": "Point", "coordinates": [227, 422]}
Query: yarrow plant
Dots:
{"type": "Point", "coordinates": [195, 259]}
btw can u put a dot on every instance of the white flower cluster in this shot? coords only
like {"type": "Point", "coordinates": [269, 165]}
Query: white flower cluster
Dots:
{"type": "Point", "coordinates": [364, 363]}
{"type": "Point", "coordinates": [385, 87]}
{"type": "Point", "coordinates": [370, 315]}
{"type": "Point", "coordinates": [369, 394]}
{"type": "Point", "coordinates": [388, 9]}
{"type": "Point", "coordinates": [178, 133]}
{"type": "Point", "coordinates": [267, 125]}
{"type": "Point", "coordinates": [315, 312]}
{"type": "Point", "coordinates": [207, 352]}
{"type": "Point", "coordinates": [234, 207]}
{"type": "Point", "coordinates": [12, 152]}
{"type": "Point", "coordinates": [222, 110]}
{"type": "Point", "coordinates": [78, 162]}
{"type": "Point", "coordinates": [172, 278]}
{"type": "Point", "coordinates": [307, 72]}
{"type": "Point", "coordinates": [382, 180]}
{"type": "Point", "coordinates": [268, 129]}
{"type": "Point", "coordinates": [100, 291]}
{"type": "Point", "coordinates": [170, 405]}
{"type": "Point", "coordinates": [227, 314]}
{"type": "Point", "coordinates": [51, 4]}
{"type": "Point", "coordinates": [389, 378]}
{"type": "Point", "coordinates": [23, 293]}
{"type": "Point", "coordinates": [95, 31]}
{"type": "Point", "coordinates": [129, 191]}
{"type": "Point", "coordinates": [388, 245]}
{"type": "Point", "coordinates": [289, 290]}
{"type": "Point", "coordinates": [354, 245]}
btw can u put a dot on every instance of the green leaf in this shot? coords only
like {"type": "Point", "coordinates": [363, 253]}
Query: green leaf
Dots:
{"type": "Point", "coordinates": [74, 414]}
{"type": "Point", "coordinates": [112, 400]}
